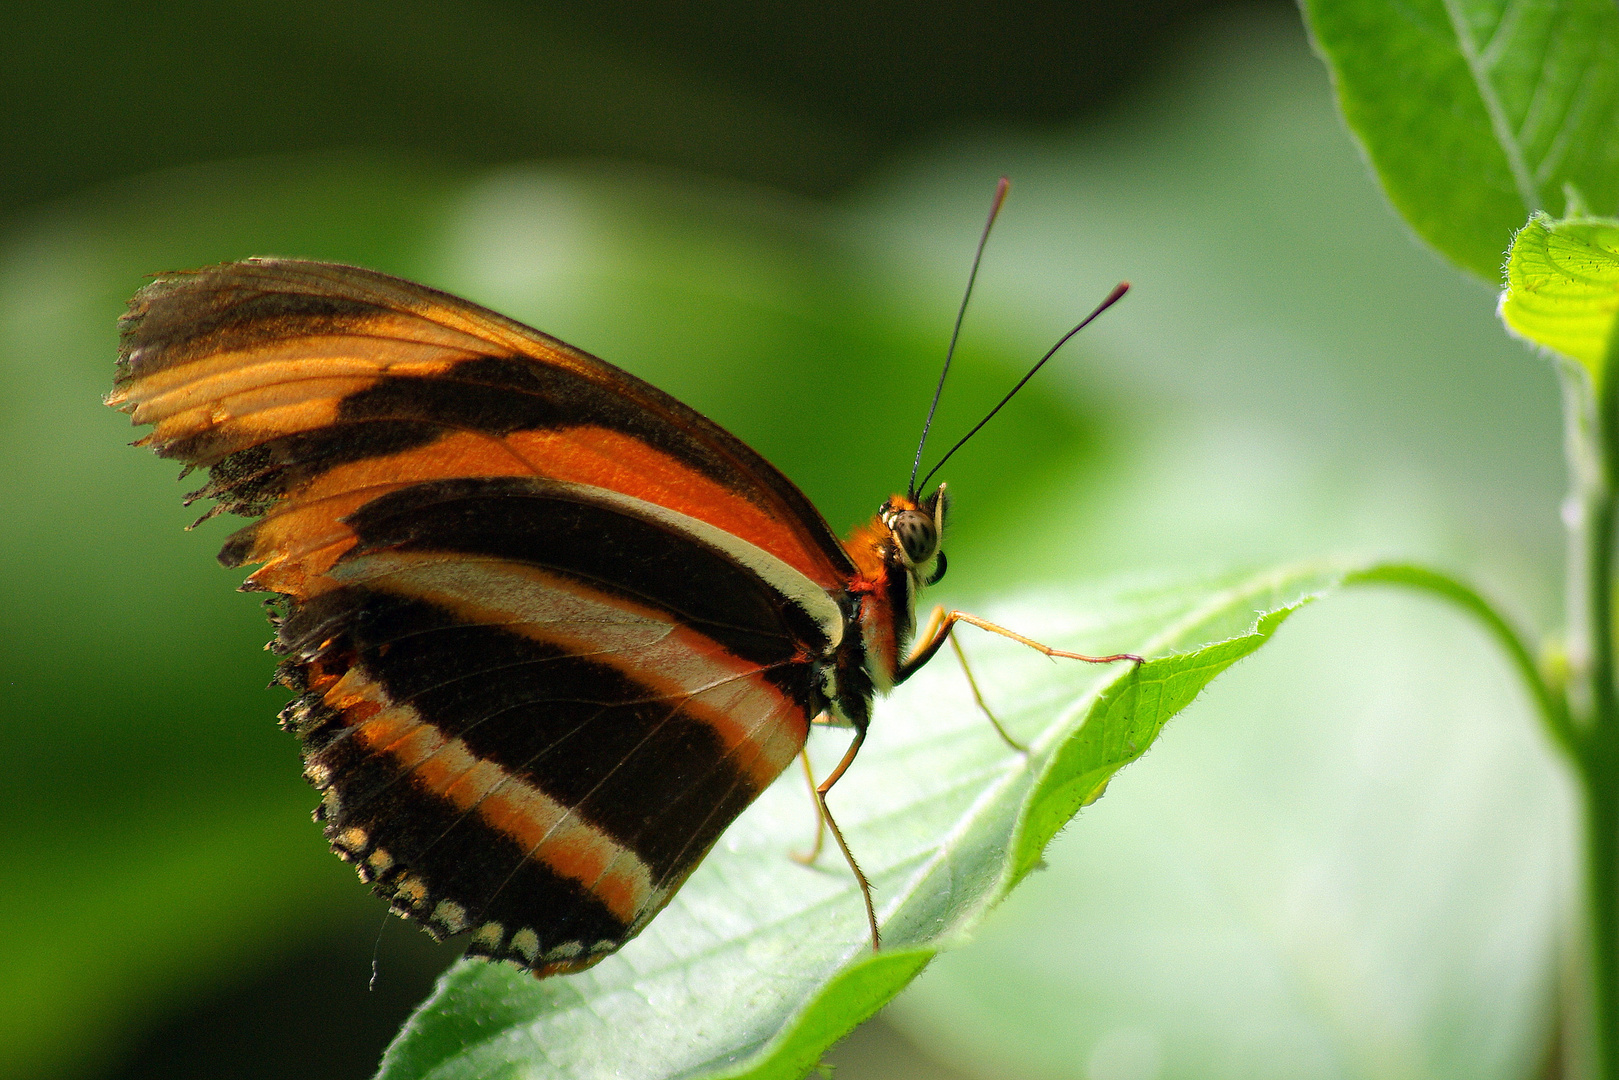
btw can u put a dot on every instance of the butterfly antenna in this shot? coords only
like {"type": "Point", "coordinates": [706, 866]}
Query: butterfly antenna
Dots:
{"type": "Point", "coordinates": [1112, 298]}
{"type": "Point", "coordinates": [1001, 188]}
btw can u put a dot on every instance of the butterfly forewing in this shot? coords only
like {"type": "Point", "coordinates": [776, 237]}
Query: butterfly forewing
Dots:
{"type": "Point", "coordinates": [309, 386]}
{"type": "Point", "coordinates": [550, 630]}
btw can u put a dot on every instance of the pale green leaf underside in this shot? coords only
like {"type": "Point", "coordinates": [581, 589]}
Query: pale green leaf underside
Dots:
{"type": "Point", "coordinates": [1476, 113]}
{"type": "Point", "coordinates": [760, 964]}
{"type": "Point", "coordinates": [1563, 288]}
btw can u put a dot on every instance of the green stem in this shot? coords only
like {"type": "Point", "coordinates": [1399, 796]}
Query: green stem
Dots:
{"type": "Point", "coordinates": [1602, 898]}
{"type": "Point", "coordinates": [1550, 704]}
{"type": "Point", "coordinates": [1590, 744]}
{"type": "Point", "coordinates": [1591, 452]}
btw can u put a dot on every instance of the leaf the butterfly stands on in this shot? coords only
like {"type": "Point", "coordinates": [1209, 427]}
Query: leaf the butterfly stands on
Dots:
{"type": "Point", "coordinates": [758, 967]}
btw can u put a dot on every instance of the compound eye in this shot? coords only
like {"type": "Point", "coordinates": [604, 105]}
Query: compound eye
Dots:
{"type": "Point", "coordinates": [915, 532]}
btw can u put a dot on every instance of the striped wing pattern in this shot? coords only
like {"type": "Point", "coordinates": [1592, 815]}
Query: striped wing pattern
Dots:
{"type": "Point", "coordinates": [550, 630]}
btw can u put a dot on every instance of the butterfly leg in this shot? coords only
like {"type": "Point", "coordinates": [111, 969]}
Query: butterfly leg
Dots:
{"type": "Point", "coordinates": [955, 644]}
{"type": "Point", "coordinates": [837, 833]}
{"type": "Point", "coordinates": [939, 629]}
{"type": "Point", "coordinates": [820, 819]}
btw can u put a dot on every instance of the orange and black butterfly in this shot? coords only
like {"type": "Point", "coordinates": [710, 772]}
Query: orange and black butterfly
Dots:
{"type": "Point", "coordinates": [549, 629]}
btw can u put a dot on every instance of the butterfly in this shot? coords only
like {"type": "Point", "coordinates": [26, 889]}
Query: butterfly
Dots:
{"type": "Point", "coordinates": [548, 630]}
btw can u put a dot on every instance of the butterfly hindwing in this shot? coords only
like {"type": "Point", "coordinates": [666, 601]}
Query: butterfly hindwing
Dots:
{"type": "Point", "coordinates": [550, 631]}
{"type": "Point", "coordinates": [536, 759]}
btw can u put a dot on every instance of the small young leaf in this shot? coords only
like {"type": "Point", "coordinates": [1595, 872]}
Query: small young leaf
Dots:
{"type": "Point", "coordinates": [1563, 288]}
{"type": "Point", "coordinates": [760, 964]}
{"type": "Point", "coordinates": [1476, 113]}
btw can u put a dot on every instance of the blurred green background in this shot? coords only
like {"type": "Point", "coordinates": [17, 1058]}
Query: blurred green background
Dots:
{"type": "Point", "coordinates": [1350, 859]}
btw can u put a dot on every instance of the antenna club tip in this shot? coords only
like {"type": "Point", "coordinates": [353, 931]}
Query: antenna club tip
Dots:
{"type": "Point", "coordinates": [1002, 186]}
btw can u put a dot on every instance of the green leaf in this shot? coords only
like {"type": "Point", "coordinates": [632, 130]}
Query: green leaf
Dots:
{"type": "Point", "coordinates": [1563, 288]}
{"type": "Point", "coordinates": [760, 964]}
{"type": "Point", "coordinates": [1348, 859]}
{"type": "Point", "coordinates": [1477, 113]}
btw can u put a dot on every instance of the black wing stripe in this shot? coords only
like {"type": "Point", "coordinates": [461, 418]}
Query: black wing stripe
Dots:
{"type": "Point", "coordinates": [548, 525]}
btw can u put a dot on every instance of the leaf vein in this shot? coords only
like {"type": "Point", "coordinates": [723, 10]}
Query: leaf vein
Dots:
{"type": "Point", "coordinates": [1499, 124]}
{"type": "Point", "coordinates": [1501, 40]}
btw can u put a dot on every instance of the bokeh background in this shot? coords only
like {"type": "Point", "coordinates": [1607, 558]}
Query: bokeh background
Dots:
{"type": "Point", "coordinates": [1349, 859]}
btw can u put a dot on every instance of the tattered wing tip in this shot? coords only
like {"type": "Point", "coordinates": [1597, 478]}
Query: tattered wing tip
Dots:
{"type": "Point", "coordinates": [130, 322]}
{"type": "Point", "coordinates": [238, 547]}
{"type": "Point", "coordinates": [213, 512]}
{"type": "Point", "coordinates": [133, 324]}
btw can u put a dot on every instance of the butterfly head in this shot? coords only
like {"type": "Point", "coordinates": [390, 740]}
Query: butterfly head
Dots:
{"type": "Point", "coordinates": [916, 526]}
